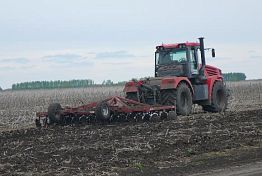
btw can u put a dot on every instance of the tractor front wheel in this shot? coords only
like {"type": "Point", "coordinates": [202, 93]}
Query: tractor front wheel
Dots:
{"type": "Point", "coordinates": [218, 99]}
{"type": "Point", "coordinates": [183, 99]}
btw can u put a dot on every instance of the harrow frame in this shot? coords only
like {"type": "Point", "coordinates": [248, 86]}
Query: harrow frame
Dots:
{"type": "Point", "coordinates": [117, 105]}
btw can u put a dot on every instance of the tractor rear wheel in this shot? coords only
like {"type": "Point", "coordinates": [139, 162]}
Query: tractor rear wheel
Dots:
{"type": "Point", "coordinates": [218, 99]}
{"type": "Point", "coordinates": [103, 111]}
{"type": "Point", "coordinates": [183, 99]}
{"type": "Point", "coordinates": [168, 97]}
{"type": "Point", "coordinates": [54, 112]}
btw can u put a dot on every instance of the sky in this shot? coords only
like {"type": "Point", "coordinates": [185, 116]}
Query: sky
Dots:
{"type": "Point", "coordinates": [116, 39]}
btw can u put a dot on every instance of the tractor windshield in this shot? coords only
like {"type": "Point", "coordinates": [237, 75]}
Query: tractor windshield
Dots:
{"type": "Point", "coordinates": [171, 62]}
{"type": "Point", "coordinates": [170, 57]}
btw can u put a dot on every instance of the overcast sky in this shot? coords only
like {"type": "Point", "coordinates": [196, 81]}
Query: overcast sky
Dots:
{"type": "Point", "coordinates": [116, 39]}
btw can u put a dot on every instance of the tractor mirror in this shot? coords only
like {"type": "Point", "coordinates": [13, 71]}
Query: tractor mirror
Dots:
{"type": "Point", "coordinates": [213, 52]}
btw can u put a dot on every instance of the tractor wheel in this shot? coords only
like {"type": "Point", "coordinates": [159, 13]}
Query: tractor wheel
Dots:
{"type": "Point", "coordinates": [168, 97]}
{"type": "Point", "coordinates": [183, 99]}
{"type": "Point", "coordinates": [54, 112]}
{"type": "Point", "coordinates": [132, 96]}
{"type": "Point", "coordinates": [218, 99]}
{"type": "Point", "coordinates": [103, 111]}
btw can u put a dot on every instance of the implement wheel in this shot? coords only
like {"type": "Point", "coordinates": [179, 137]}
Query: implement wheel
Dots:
{"type": "Point", "coordinates": [103, 111]}
{"type": "Point", "coordinates": [218, 99]}
{"type": "Point", "coordinates": [54, 112]}
{"type": "Point", "coordinates": [183, 99]}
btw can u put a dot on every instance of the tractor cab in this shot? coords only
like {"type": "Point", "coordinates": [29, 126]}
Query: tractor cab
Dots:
{"type": "Point", "coordinates": [180, 59]}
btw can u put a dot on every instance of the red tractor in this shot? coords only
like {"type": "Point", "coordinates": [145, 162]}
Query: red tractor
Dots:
{"type": "Point", "coordinates": [181, 80]}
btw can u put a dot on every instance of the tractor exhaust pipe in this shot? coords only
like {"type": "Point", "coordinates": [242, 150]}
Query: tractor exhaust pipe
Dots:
{"type": "Point", "coordinates": [202, 50]}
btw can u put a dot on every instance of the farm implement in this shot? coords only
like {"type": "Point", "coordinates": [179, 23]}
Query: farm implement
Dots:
{"type": "Point", "coordinates": [181, 79]}
{"type": "Point", "coordinates": [111, 109]}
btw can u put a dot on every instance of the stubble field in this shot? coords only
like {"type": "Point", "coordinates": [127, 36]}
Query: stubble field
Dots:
{"type": "Point", "coordinates": [193, 143]}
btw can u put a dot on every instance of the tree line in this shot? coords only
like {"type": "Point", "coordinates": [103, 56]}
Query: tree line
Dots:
{"type": "Point", "coordinates": [61, 84]}
{"type": "Point", "coordinates": [89, 82]}
{"type": "Point", "coordinates": [234, 76]}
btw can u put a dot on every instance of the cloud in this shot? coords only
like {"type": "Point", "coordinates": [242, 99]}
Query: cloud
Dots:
{"type": "Point", "coordinates": [63, 58]}
{"type": "Point", "coordinates": [6, 68]}
{"type": "Point", "coordinates": [118, 63]}
{"type": "Point", "coordinates": [114, 54]}
{"type": "Point", "coordinates": [221, 58]}
{"type": "Point", "coordinates": [251, 51]}
{"type": "Point", "coordinates": [15, 61]}
{"type": "Point", "coordinates": [68, 60]}
{"type": "Point", "coordinates": [20, 67]}
{"type": "Point", "coordinates": [255, 57]}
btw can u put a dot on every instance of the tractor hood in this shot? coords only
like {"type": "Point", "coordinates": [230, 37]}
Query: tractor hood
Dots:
{"type": "Point", "coordinates": [171, 70]}
{"type": "Point", "coordinates": [168, 82]}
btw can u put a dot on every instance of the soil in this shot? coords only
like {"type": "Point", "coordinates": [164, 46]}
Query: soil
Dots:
{"type": "Point", "coordinates": [184, 146]}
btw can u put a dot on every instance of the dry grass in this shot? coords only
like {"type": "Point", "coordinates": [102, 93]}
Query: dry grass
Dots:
{"type": "Point", "coordinates": [245, 94]}
{"type": "Point", "coordinates": [18, 108]}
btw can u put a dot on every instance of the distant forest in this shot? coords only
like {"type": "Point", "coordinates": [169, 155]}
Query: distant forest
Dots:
{"type": "Point", "coordinates": [89, 83]}
{"type": "Point", "coordinates": [234, 76]}
{"type": "Point", "coordinates": [61, 84]}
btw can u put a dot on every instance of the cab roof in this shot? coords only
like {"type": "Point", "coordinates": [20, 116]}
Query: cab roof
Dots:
{"type": "Point", "coordinates": [178, 45]}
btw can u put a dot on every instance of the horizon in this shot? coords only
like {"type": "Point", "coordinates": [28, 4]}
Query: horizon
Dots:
{"type": "Point", "coordinates": [101, 83]}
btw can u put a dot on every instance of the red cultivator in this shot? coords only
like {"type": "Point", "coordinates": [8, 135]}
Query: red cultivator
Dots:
{"type": "Point", "coordinates": [111, 109]}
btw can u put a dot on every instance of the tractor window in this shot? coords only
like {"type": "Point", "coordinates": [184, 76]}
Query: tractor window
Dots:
{"type": "Point", "coordinates": [194, 61]}
{"type": "Point", "coordinates": [169, 57]}
{"type": "Point", "coordinates": [157, 58]}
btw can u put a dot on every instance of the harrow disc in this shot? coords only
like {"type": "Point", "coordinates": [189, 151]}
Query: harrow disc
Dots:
{"type": "Point", "coordinates": [154, 117]}
{"type": "Point", "coordinates": [146, 117]}
{"type": "Point", "coordinates": [163, 115]}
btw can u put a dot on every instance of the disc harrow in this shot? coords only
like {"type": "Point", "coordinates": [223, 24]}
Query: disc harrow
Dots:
{"type": "Point", "coordinates": [114, 109]}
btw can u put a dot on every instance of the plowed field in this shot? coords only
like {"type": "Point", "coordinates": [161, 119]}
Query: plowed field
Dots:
{"type": "Point", "coordinates": [188, 145]}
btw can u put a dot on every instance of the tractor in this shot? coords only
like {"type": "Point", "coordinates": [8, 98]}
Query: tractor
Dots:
{"type": "Point", "coordinates": [182, 78]}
